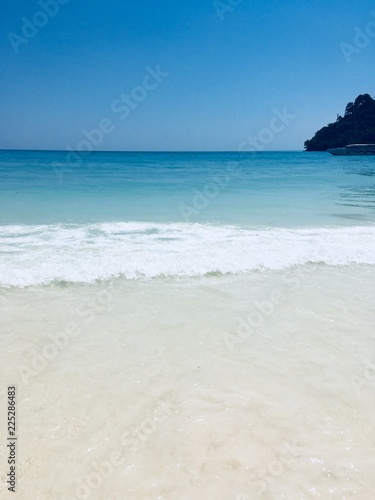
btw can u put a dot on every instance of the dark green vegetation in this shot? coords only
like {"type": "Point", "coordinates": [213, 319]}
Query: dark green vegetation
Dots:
{"type": "Point", "coordinates": [357, 126]}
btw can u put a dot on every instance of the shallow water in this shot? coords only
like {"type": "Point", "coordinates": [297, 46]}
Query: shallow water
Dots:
{"type": "Point", "coordinates": [258, 385]}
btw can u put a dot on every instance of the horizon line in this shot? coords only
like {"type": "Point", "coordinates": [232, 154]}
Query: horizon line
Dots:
{"type": "Point", "coordinates": [87, 153]}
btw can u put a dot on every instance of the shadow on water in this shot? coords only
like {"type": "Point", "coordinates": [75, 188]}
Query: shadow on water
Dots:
{"type": "Point", "coordinates": [366, 172]}
{"type": "Point", "coordinates": [358, 217]}
{"type": "Point", "coordinates": [366, 169]}
{"type": "Point", "coordinates": [359, 196]}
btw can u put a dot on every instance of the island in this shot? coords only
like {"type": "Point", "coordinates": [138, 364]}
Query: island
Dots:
{"type": "Point", "coordinates": [357, 126]}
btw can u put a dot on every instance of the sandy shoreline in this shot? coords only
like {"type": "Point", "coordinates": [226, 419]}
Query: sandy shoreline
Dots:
{"type": "Point", "coordinates": [249, 386]}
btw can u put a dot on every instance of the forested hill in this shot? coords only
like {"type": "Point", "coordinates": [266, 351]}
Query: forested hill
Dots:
{"type": "Point", "coordinates": [357, 126]}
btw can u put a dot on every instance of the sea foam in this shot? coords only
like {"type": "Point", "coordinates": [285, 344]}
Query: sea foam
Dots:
{"type": "Point", "coordinates": [31, 255]}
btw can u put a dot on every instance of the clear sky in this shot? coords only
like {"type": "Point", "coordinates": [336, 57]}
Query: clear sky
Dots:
{"type": "Point", "coordinates": [229, 68]}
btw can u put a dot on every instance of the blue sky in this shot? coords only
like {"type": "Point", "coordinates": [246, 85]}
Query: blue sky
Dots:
{"type": "Point", "coordinates": [226, 74]}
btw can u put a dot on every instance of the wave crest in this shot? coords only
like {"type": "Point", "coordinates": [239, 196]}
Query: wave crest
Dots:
{"type": "Point", "coordinates": [31, 255]}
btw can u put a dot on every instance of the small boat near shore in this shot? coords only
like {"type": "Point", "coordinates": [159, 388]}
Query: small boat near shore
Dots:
{"type": "Point", "coordinates": [353, 150]}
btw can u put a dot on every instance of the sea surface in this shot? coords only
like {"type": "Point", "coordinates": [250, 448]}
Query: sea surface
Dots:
{"type": "Point", "coordinates": [189, 325]}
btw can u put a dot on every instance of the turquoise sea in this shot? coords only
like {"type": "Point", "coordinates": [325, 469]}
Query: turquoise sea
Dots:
{"type": "Point", "coordinates": [189, 325]}
{"type": "Point", "coordinates": [274, 189]}
{"type": "Point", "coordinates": [110, 213]}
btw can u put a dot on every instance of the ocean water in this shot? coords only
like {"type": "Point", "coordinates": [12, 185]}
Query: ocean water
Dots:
{"type": "Point", "coordinates": [189, 325]}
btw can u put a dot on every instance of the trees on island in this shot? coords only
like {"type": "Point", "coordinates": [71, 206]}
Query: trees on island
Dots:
{"type": "Point", "coordinates": [357, 126]}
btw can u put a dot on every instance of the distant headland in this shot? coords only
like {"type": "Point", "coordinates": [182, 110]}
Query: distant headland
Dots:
{"type": "Point", "coordinates": [357, 126]}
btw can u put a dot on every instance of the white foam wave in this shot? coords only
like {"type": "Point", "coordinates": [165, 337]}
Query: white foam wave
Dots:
{"type": "Point", "coordinates": [32, 255]}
